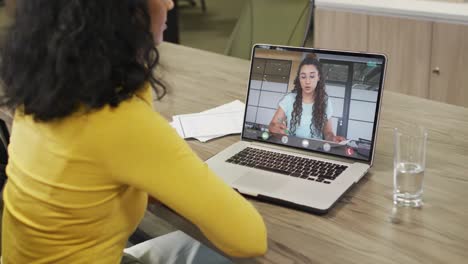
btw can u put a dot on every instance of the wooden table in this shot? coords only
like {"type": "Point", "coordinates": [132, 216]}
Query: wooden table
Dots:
{"type": "Point", "coordinates": [364, 227]}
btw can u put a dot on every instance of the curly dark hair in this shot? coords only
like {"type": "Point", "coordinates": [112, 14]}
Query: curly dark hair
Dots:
{"type": "Point", "coordinates": [319, 117]}
{"type": "Point", "coordinates": [62, 54]}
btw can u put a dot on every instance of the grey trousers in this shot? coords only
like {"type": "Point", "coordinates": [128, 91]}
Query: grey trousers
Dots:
{"type": "Point", "coordinates": [173, 248]}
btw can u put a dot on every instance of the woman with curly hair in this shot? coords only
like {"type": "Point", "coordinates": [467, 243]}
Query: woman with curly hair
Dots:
{"type": "Point", "coordinates": [87, 148]}
{"type": "Point", "coordinates": [306, 112]}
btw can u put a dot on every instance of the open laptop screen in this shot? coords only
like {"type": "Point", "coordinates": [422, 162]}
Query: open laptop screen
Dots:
{"type": "Point", "coordinates": [317, 100]}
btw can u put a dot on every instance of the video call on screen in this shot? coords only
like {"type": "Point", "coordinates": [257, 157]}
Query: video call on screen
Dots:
{"type": "Point", "coordinates": [351, 86]}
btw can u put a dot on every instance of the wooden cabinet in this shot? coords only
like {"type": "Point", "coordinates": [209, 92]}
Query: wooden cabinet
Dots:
{"type": "Point", "coordinates": [449, 64]}
{"type": "Point", "coordinates": [407, 44]}
{"type": "Point", "coordinates": [340, 30]}
{"type": "Point", "coordinates": [426, 59]}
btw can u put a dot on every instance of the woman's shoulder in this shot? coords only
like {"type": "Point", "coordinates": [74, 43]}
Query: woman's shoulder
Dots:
{"type": "Point", "coordinates": [287, 101]}
{"type": "Point", "coordinates": [291, 96]}
{"type": "Point", "coordinates": [133, 112]}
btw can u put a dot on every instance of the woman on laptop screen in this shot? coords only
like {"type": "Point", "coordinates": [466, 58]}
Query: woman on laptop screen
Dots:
{"type": "Point", "coordinates": [306, 111]}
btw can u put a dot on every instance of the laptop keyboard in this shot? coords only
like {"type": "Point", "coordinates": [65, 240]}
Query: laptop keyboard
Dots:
{"type": "Point", "coordinates": [313, 170]}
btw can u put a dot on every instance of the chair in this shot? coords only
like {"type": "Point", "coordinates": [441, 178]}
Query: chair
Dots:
{"type": "Point", "coordinates": [270, 21]}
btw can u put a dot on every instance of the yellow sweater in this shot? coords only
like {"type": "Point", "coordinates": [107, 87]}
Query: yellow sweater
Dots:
{"type": "Point", "coordinates": [78, 187]}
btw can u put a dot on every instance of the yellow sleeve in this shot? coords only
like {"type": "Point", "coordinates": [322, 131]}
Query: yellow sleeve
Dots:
{"type": "Point", "coordinates": [141, 149]}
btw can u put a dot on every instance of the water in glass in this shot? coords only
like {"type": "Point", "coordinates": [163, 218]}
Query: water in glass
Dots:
{"type": "Point", "coordinates": [408, 184]}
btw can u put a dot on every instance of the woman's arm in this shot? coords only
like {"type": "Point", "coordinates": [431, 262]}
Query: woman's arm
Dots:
{"type": "Point", "coordinates": [328, 132]}
{"type": "Point", "coordinates": [278, 122]}
{"type": "Point", "coordinates": [140, 149]}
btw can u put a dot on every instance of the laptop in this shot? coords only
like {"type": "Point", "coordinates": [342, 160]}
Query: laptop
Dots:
{"type": "Point", "coordinates": [310, 126]}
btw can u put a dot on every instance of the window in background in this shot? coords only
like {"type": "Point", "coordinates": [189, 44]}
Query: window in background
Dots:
{"type": "Point", "coordinates": [352, 87]}
{"type": "Point", "coordinates": [269, 83]}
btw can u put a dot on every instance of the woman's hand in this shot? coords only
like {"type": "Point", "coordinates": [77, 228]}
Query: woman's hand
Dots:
{"type": "Point", "coordinates": [332, 137]}
{"type": "Point", "coordinates": [329, 134]}
{"type": "Point", "coordinates": [277, 128]}
{"type": "Point", "coordinates": [278, 123]}
{"type": "Point", "coordinates": [338, 139]}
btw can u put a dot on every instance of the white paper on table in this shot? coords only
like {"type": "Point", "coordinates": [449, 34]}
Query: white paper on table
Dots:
{"type": "Point", "coordinates": [176, 125]}
{"type": "Point", "coordinates": [211, 124]}
{"type": "Point", "coordinates": [229, 107]}
{"type": "Point", "coordinates": [232, 106]}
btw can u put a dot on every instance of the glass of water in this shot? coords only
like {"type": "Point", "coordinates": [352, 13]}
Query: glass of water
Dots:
{"type": "Point", "coordinates": [409, 163]}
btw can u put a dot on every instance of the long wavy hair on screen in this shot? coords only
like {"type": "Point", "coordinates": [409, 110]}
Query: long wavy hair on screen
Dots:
{"type": "Point", "coordinates": [319, 117]}
{"type": "Point", "coordinates": [60, 55]}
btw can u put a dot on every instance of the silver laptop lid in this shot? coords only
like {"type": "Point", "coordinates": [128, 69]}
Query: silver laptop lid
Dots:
{"type": "Point", "coordinates": [317, 100]}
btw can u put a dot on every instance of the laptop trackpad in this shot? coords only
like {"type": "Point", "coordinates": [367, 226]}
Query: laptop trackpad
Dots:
{"type": "Point", "coordinates": [257, 183]}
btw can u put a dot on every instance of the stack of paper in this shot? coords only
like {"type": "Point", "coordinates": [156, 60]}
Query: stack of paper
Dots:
{"type": "Point", "coordinates": [216, 122]}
